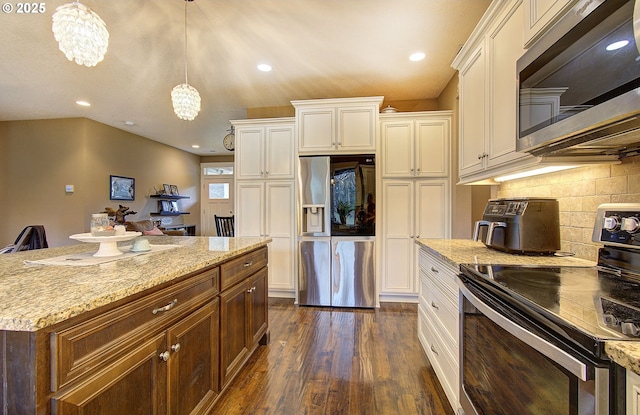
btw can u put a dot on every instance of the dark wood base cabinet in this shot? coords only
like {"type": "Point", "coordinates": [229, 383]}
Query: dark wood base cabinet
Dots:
{"type": "Point", "coordinates": [167, 351]}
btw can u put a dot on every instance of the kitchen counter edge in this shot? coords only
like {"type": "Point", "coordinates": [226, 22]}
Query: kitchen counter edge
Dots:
{"type": "Point", "coordinates": [38, 296]}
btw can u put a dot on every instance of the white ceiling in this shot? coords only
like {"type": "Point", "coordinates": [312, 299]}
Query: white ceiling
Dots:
{"type": "Point", "coordinates": [317, 48]}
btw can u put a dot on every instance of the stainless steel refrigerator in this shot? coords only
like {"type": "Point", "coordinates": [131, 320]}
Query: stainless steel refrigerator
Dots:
{"type": "Point", "coordinates": [336, 245]}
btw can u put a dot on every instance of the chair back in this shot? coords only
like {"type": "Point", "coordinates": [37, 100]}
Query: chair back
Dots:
{"type": "Point", "coordinates": [224, 225]}
{"type": "Point", "coordinates": [31, 237]}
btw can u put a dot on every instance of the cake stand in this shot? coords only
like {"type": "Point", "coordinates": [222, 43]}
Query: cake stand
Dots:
{"type": "Point", "coordinates": [108, 244]}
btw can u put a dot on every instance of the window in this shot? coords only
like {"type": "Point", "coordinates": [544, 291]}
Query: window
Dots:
{"type": "Point", "coordinates": [218, 190]}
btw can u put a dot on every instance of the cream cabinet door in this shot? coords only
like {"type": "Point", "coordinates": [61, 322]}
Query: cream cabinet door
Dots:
{"type": "Point", "coordinates": [357, 129]}
{"type": "Point", "coordinates": [432, 209]}
{"type": "Point", "coordinates": [316, 130]}
{"type": "Point", "coordinates": [279, 155]}
{"type": "Point", "coordinates": [250, 207]}
{"type": "Point", "coordinates": [398, 276]}
{"type": "Point", "coordinates": [249, 153]}
{"type": "Point", "coordinates": [540, 15]}
{"type": "Point", "coordinates": [280, 227]}
{"type": "Point", "coordinates": [472, 114]}
{"type": "Point", "coordinates": [432, 138]}
{"type": "Point", "coordinates": [397, 148]}
{"type": "Point", "coordinates": [504, 48]}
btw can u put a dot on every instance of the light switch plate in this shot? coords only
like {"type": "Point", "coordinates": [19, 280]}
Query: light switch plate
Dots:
{"type": "Point", "coordinates": [68, 188]}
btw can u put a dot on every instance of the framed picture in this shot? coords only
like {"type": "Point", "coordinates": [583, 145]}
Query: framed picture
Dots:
{"type": "Point", "coordinates": [174, 207]}
{"type": "Point", "coordinates": [167, 189]}
{"type": "Point", "coordinates": [174, 190]}
{"type": "Point", "coordinates": [166, 206]}
{"type": "Point", "coordinates": [122, 188]}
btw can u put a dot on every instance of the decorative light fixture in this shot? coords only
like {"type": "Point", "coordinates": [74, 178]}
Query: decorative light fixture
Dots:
{"type": "Point", "coordinates": [185, 98]}
{"type": "Point", "coordinates": [81, 34]}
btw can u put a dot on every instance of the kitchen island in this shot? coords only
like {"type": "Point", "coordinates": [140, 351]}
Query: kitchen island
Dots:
{"type": "Point", "coordinates": [159, 332]}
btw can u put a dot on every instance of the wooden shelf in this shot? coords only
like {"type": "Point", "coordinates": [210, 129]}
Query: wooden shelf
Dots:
{"type": "Point", "coordinates": [169, 197]}
{"type": "Point", "coordinates": [168, 213]}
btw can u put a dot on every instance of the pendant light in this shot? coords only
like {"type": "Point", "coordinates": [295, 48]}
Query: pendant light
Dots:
{"type": "Point", "coordinates": [81, 34]}
{"type": "Point", "coordinates": [185, 98]}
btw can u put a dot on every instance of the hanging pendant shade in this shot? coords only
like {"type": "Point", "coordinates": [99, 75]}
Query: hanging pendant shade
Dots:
{"type": "Point", "coordinates": [185, 98]}
{"type": "Point", "coordinates": [186, 101]}
{"type": "Point", "coordinates": [81, 34]}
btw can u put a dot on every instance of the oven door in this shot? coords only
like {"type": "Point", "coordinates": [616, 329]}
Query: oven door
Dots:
{"type": "Point", "coordinates": [509, 365]}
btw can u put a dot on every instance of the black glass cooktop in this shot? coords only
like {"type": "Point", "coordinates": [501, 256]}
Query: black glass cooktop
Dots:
{"type": "Point", "coordinates": [598, 304]}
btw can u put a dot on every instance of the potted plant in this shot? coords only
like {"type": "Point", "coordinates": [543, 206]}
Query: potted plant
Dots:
{"type": "Point", "coordinates": [343, 209]}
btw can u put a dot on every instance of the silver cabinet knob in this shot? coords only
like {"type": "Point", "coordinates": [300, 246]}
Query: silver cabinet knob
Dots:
{"type": "Point", "coordinates": [164, 356]}
{"type": "Point", "coordinates": [176, 347]}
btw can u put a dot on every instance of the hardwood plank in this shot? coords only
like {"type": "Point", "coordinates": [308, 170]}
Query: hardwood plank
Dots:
{"type": "Point", "coordinates": [329, 361]}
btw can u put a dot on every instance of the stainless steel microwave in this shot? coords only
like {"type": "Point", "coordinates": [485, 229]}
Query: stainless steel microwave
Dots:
{"type": "Point", "coordinates": [579, 84]}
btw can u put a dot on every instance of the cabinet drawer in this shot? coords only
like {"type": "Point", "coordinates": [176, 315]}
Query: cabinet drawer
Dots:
{"type": "Point", "coordinates": [238, 269]}
{"type": "Point", "coordinates": [443, 360]}
{"type": "Point", "coordinates": [440, 308]}
{"type": "Point", "coordinates": [81, 348]}
{"type": "Point", "coordinates": [440, 271]}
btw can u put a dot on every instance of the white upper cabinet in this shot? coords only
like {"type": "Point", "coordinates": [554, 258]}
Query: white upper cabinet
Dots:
{"type": "Point", "coordinates": [265, 149]}
{"type": "Point", "coordinates": [489, 94]}
{"type": "Point", "coordinates": [540, 15]}
{"type": "Point", "coordinates": [415, 144]}
{"type": "Point", "coordinates": [345, 125]}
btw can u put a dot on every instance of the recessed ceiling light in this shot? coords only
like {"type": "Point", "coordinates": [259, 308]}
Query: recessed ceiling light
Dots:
{"type": "Point", "coordinates": [617, 45]}
{"type": "Point", "coordinates": [418, 56]}
{"type": "Point", "coordinates": [195, 146]}
{"type": "Point", "coordinates": [264, 67]}
{"type": "Point", "coordinates": [83, 103]}
{"type": "Point", "coordinates": [129, 123]}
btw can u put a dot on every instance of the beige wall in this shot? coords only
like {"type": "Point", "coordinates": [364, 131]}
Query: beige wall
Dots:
{"type": "Point", "coordinates": [39, 158]}
{"type": "Point", "coordinates": [579, 192]}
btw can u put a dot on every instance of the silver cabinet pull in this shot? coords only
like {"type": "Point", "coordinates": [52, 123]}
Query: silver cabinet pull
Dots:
{"type": "Point", "coordinates": [248, 264]}
{"type": "Point", "coordinates": [165, 308]}
{"type": "Point", "coordinates": [164, 356]}
{"type": "Point", "coordinates": [434, 269]}
{"type": "Point", "coordinates": [433, 349]}
{"type": "Point", "coordinates": [252, 289]}
{"type": "Point", "coordinates": [435, 306]}
{"type": "Point", "coordinates": [176, 347]}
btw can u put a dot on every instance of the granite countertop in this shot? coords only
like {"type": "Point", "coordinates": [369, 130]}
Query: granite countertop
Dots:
{"type": "Point", "coordinates": [36, 296]}
{"type": "Point", "coordinates": [464, 251]}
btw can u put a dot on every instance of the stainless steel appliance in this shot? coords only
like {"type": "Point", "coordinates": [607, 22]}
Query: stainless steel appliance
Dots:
{"type": "Point", "coordinates": [532, 337]}
{"type": "Point", "coordinates": [520, 225]}
{"type": "Point", "coordinates": [578, 84]}
{"type": "Point", "coordinates": [337, 231]}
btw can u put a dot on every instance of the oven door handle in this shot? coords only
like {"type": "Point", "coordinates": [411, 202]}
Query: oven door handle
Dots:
{"type": "Point", "coordinates": [564, 359]}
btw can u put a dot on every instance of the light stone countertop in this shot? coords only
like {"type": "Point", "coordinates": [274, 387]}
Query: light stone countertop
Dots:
{"type": "Point", "coordinates": [465, 251]}
{"type": "Point", "coordinates": [36, 296]}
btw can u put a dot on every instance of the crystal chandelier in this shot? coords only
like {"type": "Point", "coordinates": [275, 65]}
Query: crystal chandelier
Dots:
{"type": "Point", "coordinates": [185, 98]}
{"type": "Point", "coordinates": [81, 34]}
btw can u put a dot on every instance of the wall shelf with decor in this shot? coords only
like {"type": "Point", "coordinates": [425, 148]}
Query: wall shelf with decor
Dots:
{"type": "Point", "coordinates": [168, 205]}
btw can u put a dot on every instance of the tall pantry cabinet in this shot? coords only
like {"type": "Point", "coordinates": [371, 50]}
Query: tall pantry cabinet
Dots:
{"type": "Point", "coordinates": [265, 193]}
{"type": "Point", "coordinates": [415, 154]}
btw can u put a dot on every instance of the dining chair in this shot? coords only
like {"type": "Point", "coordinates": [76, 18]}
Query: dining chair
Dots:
{"type": "Point", "coordinates": [224, 225]}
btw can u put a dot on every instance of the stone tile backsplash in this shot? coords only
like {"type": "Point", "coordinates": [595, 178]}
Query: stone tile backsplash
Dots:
{"type": "Point", "coordinates": [579, 192]}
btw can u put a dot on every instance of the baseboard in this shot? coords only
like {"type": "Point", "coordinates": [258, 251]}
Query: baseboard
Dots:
{"type": "Point", "coordinates": [282, 293]}
{"type": "Point", "coordinates": [399, 298]}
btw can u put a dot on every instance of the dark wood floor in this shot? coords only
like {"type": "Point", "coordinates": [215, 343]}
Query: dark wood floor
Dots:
{"type": "Point", "coordinates": [337, 361]}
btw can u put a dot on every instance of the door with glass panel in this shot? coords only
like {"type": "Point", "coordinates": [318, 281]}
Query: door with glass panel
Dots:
{"type": "Point", "coordinates": [217, 196]}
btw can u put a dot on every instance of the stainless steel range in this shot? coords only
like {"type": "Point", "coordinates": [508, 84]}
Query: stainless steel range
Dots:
{"type": "Point", "coordinates": [532, 337]}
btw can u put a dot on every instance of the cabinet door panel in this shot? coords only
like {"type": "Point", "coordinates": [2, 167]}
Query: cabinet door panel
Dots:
{"type": "Point", "coordinates": [193, 364]}
{"type": "Point", "coordinates": [356, 129]}
{"type": "Point", "coordinates": [472, 115]}
{"type": "Point", "coordinates": [432, 147]}
{"type": "Point", "coordinates": [432, 209]}
{"type": "Point", "coordinates": [397, 147]}
{"type": "Point", "coordinates": [134, 385]}
{"type": "Point", "coordinates": [249, 205]}
{"type": "Point", "coordinates": [504, 48]}
{"type": "Point", "coordinates": [279, 154]}
{"type": "Point", "coordinates": [317, 130]}
{"type": "Point", "coordinates": [398, 267]}
{"type": "Point", "coordinates": [250, 153]}
{"type": "Point", "coordinates": [234, 330]}
{"type": "Point", "coordinates": [259, 305]}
